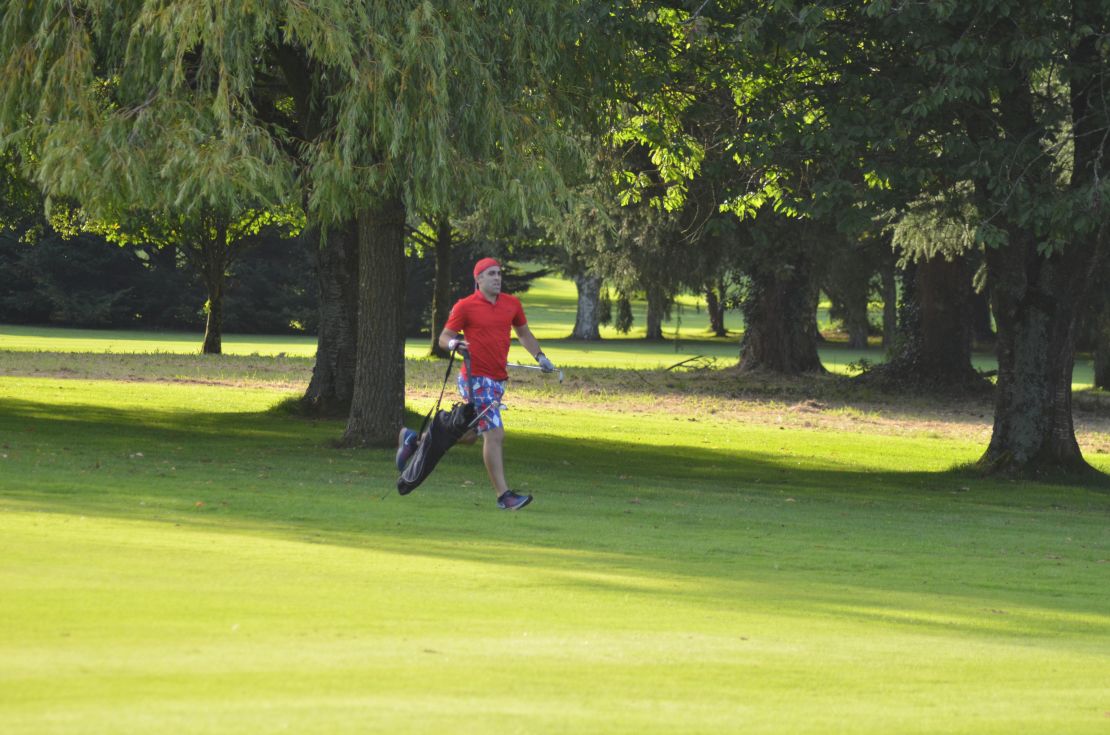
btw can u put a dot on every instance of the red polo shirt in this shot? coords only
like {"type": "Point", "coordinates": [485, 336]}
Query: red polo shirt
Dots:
{"type": "Point", "coordinates": [486, 327]}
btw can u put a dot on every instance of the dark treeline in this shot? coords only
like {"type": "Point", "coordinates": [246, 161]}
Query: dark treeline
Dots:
{"type": "Point", "coordinates": [87, 281]}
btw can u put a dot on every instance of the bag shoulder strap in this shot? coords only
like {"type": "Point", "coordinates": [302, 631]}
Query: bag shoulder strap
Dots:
{"type": "Point", "coordinates": [443, 389]}
{"type": "Point", "coordinates": [446, 377]}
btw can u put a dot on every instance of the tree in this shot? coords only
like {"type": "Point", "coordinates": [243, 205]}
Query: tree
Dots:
{"type": "Point", "coordinates": [21, 202]}
{"type": "Point", "coordinates": [272, 288]}
{"type": "Point", "coordinates": [733, 129]}
{"type": "Point", "coordinates": [295, 98]}
{"type": "Point", "coordinates": [1039, 69]}
{"type": "Point", "coordinates": [1102, 349]}
{"type": "Point", "coordinates": [716, 303]}
{"type": "Point", "coordinates": [80, 280]}
{"type": "Point", "coordinates": [174, 102]}
{"type": "Point", "coordinates": [933, 349]}
{"type": "Point", "coordinates": [331, 389]}
{"type": "Point", "coordinates": [848, 283]}
{"type": "Point", "coordinates": [1094, 330]}
{"type": "Point", "coordinates": [587, 317]}
{"type": "Point", "coordinates": [781, 299]}
{"type": "Point", "coordinates": [1001, 103]}
{"type": "Point", "coordinates": [453, 99]}
{"type": "Point", "coordinates": [441, 293]}
{"type": "Point", "coordinates": [626, 230]}
{"type": "Point", "coordinates": [889, 279]}
{"type": "Point", "coordinates": [211, 241]}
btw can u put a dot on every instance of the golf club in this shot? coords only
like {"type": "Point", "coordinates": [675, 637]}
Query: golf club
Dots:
{"type": "Point", "coordinates": [485, 410]}
{"type": "Point", "coordinates": [534, 367]}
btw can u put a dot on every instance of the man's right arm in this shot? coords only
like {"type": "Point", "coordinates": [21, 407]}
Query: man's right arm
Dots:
{"type": "Point", "coordinates": [449, 339]}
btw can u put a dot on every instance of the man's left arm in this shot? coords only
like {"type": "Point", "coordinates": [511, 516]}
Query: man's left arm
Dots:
{"type": "Point", "coordinates": [529, 342]}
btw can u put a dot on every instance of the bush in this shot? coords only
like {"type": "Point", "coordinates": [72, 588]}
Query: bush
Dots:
{"type": "Point", "coordinates": [82, 282]}
{"type": "Point", "coordinates": [272, 289]}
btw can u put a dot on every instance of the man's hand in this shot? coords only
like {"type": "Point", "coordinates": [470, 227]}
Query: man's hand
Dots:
{"type": "Point", "coordinates": [546, 365]}
{"type": "Point", "coordinates": [458, 343]}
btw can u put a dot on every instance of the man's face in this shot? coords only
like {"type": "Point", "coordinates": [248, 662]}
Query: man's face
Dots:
{"type": "Point", "coordinates": [489, 281]}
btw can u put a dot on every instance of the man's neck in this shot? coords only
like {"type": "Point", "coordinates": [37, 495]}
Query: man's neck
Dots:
{"type": "Point", "coordinates": [492, 298]}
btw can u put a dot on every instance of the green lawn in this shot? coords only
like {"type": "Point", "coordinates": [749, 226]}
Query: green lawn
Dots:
{"type": "Point", "coordinates": [550, 305]}
{"type": "Point", "coordinates": [176, 557]}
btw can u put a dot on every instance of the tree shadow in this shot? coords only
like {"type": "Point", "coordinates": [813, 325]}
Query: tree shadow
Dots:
{"type": "Point", "coordinates": [703, 526]}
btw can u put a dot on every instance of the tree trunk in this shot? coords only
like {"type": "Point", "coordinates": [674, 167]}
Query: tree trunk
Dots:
{"type": "Point", "coordinates": [214, 325]}
{"type": "Point", "coordinates": [656, 312]}
{"type": "Point", "coordinates": [856, 321]}
{"type": "Point", "coordinates": [982, 331]}
{"type": "Point", "coordinates": [1034, 300]}
{"type": "Point", "coordinates": [1102, 349]}
{"type": "Point", "coordinates": [1102, 358]}
{"type": "Point", "coordinates": [333, 376]}
{"type": "Point", "coordinates": [215, 256]}
{"type": "Point", "coordinates": [587, 319]}
{"type": "Point", "coordinates": [944, 330]}
{"type": "Point", "coordinates": [781, 331]}
{"type": "Point", "coordinates": [848, 285]}
{"type": "Point", "coordinates": [908, 310]}
{"type": "Point", "coordinates": [715, 305]}
{"type": "Point", "coordinates": [377, 406]}
{"type": "Point", "coordinates": [890, 304]}
{"type": "Point", "coordinates": [441, 289]}
{"type": "Point", "coordinates": [933, 347]}
{"type": "Point", "coordinates": [1036, 296]}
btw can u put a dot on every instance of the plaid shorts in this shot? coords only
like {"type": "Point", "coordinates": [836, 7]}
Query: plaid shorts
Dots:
{"type": "Point", "coordinates": [485, 392]}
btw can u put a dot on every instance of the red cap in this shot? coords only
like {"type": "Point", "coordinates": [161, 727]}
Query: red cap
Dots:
{"type": "Point", "coordinates": [482, 264]}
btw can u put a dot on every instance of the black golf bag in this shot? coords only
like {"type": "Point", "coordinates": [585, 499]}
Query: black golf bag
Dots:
{"type": "Point", "coordinates": [437, 435]}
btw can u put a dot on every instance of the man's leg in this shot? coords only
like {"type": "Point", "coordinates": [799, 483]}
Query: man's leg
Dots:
{"type": "Point", "coordinates": [493, 442]}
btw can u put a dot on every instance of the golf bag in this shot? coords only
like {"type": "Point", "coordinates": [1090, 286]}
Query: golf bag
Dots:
{"type": "Point", "coordinates": [437, 435]}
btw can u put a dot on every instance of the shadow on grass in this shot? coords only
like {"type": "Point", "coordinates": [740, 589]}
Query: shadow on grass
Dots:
{"type": "Point", "coordinates": [699, 524]}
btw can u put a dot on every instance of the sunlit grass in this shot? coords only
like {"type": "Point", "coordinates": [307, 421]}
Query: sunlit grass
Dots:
{"type": "Point", "coordinates": [550, 305]}
{"type": "Point", "coordinates": [177, 558]}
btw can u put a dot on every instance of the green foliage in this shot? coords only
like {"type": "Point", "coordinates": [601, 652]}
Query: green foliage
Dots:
{"type": "Point", "coordinates": [974, 75]}
{"type": "Point", "coordinates": [170, 104]}
{"type": "Point", "coordinates": [930, 227]}
{"type": "Point", "coordinates": [21, 202]}
{"type": "Point", "coordinates": [624, 314]}
{"type": "Point", "coordinates": [272, 289]}
{"type": "Point", "coordinates": [84, 280]}
{"type": "Point", "coordinates": [81, 282]}
{"type": "Point", "coordinates": [605, 308]}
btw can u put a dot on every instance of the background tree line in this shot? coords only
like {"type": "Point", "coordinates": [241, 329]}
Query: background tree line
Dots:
{"type": "Point", "coordinates": [82, 279]}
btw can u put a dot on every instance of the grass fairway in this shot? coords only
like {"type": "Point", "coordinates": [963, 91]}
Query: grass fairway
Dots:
{"type": "Point", "coordinates": [175, 557]}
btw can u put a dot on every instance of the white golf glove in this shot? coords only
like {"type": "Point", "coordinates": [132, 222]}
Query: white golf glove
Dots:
{"type": "Point", "coordinates": [546, 365]}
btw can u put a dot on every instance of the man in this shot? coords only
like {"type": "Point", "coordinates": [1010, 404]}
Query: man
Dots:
{"type": "Point", "coordinates": [479, 324]}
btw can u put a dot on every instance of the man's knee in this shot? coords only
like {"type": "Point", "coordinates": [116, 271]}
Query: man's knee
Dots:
{"type": "Point", "coordinates": [494, 436]}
